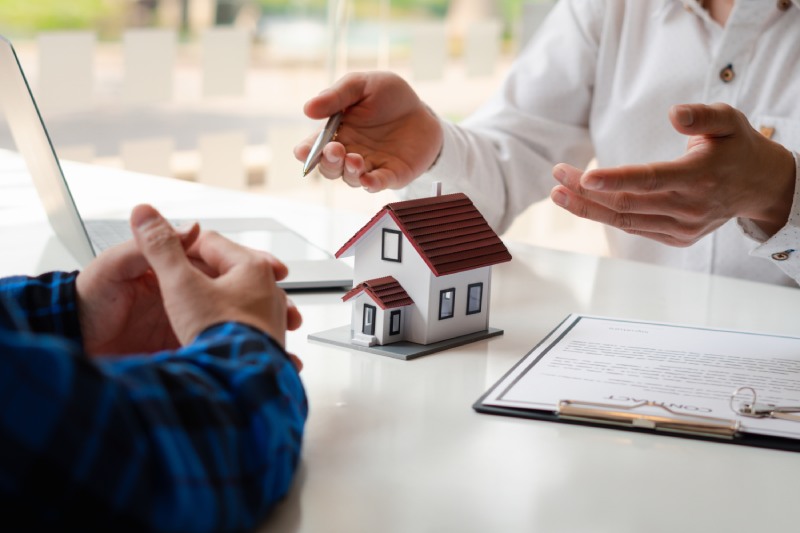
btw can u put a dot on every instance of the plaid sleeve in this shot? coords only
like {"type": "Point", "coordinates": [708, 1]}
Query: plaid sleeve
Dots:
{"type": "Point", "coordinates": [205, 438]}
{"type": "Point", "coordinates": [44, 304]}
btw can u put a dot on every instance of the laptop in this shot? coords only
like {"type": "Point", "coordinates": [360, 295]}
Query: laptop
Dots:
{"type": "Point", "coordinates": [310, 267]}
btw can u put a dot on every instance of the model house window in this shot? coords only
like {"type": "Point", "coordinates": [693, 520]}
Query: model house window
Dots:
{"type": "Point", "coordinates": [368, 325]}
{"type": "Point", "coordinates": [447, 299]}
{"type": "Point", "coordinates": [391, 246]}
{"type": "Point", "coordinates": [474, 298]}
{"type": "Point", "coordinates": [394, 323]}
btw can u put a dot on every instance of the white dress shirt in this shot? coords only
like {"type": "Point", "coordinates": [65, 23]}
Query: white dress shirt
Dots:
{"type": "Point", "coordinates": [598, 80]}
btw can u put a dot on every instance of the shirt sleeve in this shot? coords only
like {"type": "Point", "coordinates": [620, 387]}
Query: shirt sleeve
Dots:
{"type": "Point", "coordinates": [44, 304]}
{"type": "Point", "coordinates": [539, 117]}
{"type": "Point", "coordinates": [783, 248]}
{"type": "Point", "coordinates": [205, 438]}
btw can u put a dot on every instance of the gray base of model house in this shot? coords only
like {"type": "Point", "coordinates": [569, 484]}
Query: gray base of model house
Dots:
{"type": "Point", "coordinates": [400, 350]}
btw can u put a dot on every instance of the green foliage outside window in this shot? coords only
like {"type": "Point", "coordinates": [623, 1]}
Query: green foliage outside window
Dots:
{"type": "Point", "coordinates": [28, 16]}
{"type": "Point", "coordinates": [361, 8]}
{"type": "Point", "coordinates": [108, 17]}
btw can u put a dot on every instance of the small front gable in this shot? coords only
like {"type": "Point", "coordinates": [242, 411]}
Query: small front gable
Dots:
{"type": "Point", "coordinates": [385, 291]}
{"type": "Point", "coordinates": [380, 309]}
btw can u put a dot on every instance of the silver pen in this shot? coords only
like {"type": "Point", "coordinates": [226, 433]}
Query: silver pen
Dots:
{"type": "Point", "coordinates": [327, 134]}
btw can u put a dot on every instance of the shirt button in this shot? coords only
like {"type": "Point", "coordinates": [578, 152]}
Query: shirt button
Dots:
{"type": "Point", "coordinates": [727, 74]}
{"type": "Point", "coordinates": [782, 256]}
{"type": "Point", "coordinates": [783, 5]}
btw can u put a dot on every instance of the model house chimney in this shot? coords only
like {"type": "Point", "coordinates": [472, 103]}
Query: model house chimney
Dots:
{"type": "Point", "coordinates": [437, 188]}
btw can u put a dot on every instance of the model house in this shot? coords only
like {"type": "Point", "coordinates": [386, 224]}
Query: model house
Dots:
{"type": "Point", "coordinates": [422, 272]}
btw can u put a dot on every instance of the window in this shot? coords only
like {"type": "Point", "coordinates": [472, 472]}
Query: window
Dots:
{"type": "Point", "coordinates": [447, 299]}
{"type": "Point", "coordinates": [391, 246]}
{"type": "Point", "coordinates": [474, 298]}
{"type": "Point", "coordinates": [394, 323]}
{"type": "Point", "coordinates": [368, 325]}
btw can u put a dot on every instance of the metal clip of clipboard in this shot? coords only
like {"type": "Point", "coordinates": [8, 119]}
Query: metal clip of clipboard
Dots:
{"type": "Point", "coordinates": [756, 409]}
{"type": "Point", "coordinates": [626, 415]}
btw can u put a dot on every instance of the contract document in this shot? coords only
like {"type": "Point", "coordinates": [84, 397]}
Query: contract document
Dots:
{"type": "Point", "coordinates": [647, 375]}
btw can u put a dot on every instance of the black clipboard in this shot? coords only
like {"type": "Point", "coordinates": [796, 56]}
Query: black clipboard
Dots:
{"type": "Point", "coordinates": [732, 434]}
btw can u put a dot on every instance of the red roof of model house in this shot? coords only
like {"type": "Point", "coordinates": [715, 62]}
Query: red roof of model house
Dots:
{"type": "Point", "coordinates": [448, 231]}
{"type": "Point", "coordinates": [386, 292]}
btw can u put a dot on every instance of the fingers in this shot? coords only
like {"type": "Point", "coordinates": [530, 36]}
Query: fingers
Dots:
{"type": "Point", "coordinates": [159, 243]}
{"type": "Point", "coordinates": [127, 262]}
{"type": "Point", "coordinates": [691, 207]}
{"type": "Point", "coordinates": [335, 163]}
{"type": "Point", "coordinates": [293, 317]}
{"type": "Point", "coordinates": [296, 361]}
{"type": "Point", "coordinates": [671, 218]}
{"type": "Point", "coordinates": [623, 210]}
{"type": "Point", "coordinates": [631, 178]}
{"type": "Point", "coordinates": [699, 119]}
{"type": "Point", "coordinates": [331, 163]}
{"type": "Point", "coordinates": [188, 234]}
{"type": "Point", "coordinates": [649, 178]}
{"type": "Point", "coordinates": [660, 227]}
{"type": "Point", "coordinates": [219, 255]}
{"type": "Point", "coordinates": [568, 175]}
{"type": "Point", "coordinates": [354, 169]}
{"type": "Point", "coordinates": [302, 149]}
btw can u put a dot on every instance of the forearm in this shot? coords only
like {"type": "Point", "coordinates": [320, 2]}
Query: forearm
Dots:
{"type": "Point", "coordinates": [203, 438]}
{"type": "Point", "coordinates": [501, 170]}
{"type": "Point", "coordinates": [43, 304]}
{"type": "Point", "coordinates": [502, 155]}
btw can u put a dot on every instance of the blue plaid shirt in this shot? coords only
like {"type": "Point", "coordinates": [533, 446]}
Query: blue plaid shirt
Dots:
{"type": "Point", "coordinates": [203, 438]}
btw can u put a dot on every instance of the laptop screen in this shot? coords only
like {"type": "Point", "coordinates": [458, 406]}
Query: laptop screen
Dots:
{"type": "Point", "coordinates": [33, 142]}
{"type": "Point", "coordinates": [310, 267]}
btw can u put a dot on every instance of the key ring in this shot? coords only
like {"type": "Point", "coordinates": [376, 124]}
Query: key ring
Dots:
{"type": "Point", "coordinates": [754, 409]}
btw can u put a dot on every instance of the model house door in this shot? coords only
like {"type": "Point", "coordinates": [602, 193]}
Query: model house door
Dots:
{"type": "Point", "coordinates": [368, 324]}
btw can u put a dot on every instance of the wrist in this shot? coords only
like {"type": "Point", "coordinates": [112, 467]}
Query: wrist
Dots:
{"type": "Point", "coordinates": [439, 136]}
{"type": "Point", "coordinates": [782, 172]}
{"type": "Point", "coordinates": [229, 328]}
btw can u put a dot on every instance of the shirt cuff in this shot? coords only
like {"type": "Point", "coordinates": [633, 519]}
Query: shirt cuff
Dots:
{"type": "Point", "coordinates": [244, 338]}
{"type": "Point", "coordinates": [783, 248]}
{"type": "Point", "coordinates": [442, 167]}
{"type": "Point", "coordinates": [449, 162]}
{"type": "Point", "coordinates": [230, 328]}
{"type": "Point", "coordinates": [448, 165]}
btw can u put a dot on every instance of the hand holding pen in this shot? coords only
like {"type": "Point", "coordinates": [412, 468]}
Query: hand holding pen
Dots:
{"type": "Point", "coordinates": [386, 138]}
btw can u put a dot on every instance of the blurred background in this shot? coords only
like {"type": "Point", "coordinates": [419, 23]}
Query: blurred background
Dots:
{"type": "Point", "coordinates": [212, 90]}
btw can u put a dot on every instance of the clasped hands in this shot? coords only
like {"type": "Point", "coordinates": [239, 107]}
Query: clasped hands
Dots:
{"type": "Point", "coordinates": [729, 170]}
{"type": "Point", "coordinates": [161, 289]}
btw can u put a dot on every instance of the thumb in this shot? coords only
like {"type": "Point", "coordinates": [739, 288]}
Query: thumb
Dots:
{"type": "Point", "coordinates": [347, 91]}
{"type": "Point", "coordinates": [159, 243]}
{"type": "Point", "coordinates": [716, 120]}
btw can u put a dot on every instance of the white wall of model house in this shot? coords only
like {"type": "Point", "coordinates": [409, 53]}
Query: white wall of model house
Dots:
{"type": "Point", "coordinates": [420, 324]}
{"type": "Point", "coordinates": [461, 323]}
{"type": "Point", "coordinates": [411, 272]}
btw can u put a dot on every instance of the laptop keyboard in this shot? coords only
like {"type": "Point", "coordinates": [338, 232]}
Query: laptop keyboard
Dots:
{"type": "Point", "coordinates": [107, 233]}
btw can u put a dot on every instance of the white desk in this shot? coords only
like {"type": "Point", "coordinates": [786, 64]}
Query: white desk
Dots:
{"type": "Point", "coordinates": [395, 446]}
